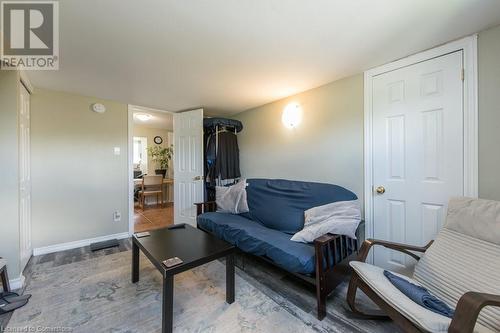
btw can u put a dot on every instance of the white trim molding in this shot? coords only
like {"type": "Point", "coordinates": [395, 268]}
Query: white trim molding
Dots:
{"type": "Point", "coordinates": [469, 47]}
{"type": "Point", "coordinates": [130, 168]}
{"type": "Point", "coordinates": [26, 81]}
{"type": "Point", "coordinates": [76, 244]}
{"type": "Point", "coordinates": [138, 108]}
{"type": "Point", "coordinates": [17, 283]}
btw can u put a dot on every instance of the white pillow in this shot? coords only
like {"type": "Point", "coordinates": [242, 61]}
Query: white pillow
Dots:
{"type": "Point", "coordinates": [232, 199]}
{"type": "Point", "coordinates": [243, 204]}
{"type": "Point", "coordinates": [341, 218]}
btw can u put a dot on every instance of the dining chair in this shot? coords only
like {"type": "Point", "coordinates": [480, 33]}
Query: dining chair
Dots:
{"type": "Point", "coordinates": [151, 186]}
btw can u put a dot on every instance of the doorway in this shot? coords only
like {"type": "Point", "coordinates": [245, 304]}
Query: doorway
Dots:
{"type": "Point", "coordinates": [151, 150]}
{"type": "Point", "coordinates": [421, 145]}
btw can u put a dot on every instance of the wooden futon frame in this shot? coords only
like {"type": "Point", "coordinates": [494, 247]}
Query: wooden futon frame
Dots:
{"type": "Point", "coordinates": [330, 251]}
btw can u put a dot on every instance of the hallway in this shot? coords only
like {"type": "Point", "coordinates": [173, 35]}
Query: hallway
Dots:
{"type": "Point", "coordinates": [153, 217]}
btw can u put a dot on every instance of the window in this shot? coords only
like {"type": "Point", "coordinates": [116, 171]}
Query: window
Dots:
{"type": "Point", "coordinates": [140, 153]}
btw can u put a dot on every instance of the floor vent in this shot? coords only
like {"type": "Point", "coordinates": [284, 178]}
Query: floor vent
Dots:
{"type": "Point", "coordinates": [104, 245]}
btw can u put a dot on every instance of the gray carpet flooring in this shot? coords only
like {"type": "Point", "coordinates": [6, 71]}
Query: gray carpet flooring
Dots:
{"type": "Point", "coordinates": [83, 291]}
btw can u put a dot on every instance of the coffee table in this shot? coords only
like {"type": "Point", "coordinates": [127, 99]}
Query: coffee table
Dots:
{"type": "Point", "coordinates": [194, 247]}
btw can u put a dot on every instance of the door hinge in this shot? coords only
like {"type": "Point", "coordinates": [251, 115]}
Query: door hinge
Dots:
{"type": "Point", "coordinates": [462, 74]}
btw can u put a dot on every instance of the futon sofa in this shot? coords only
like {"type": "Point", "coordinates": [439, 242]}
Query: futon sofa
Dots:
{"type": "Point", "coordinates": [276, 212]}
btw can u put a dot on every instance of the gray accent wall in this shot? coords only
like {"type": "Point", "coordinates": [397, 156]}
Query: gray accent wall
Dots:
{"type": "Point", "coordinates": [9, 171]}
{"type": "Point", "coordinates": [326, 147]}
{"type": "Point", "coordinates": [77, 180]}
{"type": "Point", "coordinates": [489, 113]}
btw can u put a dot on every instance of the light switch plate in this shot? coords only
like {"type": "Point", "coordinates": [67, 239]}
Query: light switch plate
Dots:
{"type": "Point", "coordinates": [117, 150]}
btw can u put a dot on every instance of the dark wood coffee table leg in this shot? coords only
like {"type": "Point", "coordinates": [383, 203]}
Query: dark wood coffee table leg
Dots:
{"type": "Point", "coordinates": [230, 278]}
{"type": "Point", "coordinates": [168, 304]}
{"type": "Point", "coordinates": [135, 262]}
{"type": "Point", "coordinates": [5, 279]}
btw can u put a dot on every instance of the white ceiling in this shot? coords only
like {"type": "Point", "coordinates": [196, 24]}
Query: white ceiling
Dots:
{"type": "Point", "coordinates": [161, 120]}
{"type": "Point", "coordinates": [228, 56]}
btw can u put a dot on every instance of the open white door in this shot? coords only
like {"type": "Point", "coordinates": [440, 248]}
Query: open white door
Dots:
{"type": "Point", "coordinates": [188, 165]}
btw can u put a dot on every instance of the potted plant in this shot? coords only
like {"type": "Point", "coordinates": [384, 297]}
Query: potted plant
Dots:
{"type": "Point", "coordinates": [161, 156]}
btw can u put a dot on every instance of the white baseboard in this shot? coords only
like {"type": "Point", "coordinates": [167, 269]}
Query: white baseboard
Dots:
{"type": "Point", "coordinates": [76, 244]}
{"type": "Point", "coordinates": [17, 283]}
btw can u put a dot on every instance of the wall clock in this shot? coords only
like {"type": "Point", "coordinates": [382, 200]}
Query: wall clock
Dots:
{"type": "Point", "coordinates": [158, 140]}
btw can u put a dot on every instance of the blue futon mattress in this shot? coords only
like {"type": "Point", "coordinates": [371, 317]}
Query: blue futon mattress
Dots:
{"type": "Point", "coordinates": [254, 238]}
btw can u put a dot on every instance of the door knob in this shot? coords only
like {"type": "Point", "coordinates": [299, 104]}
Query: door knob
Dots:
{"type": "Point", "coordinates": [197, 178]}
{"type": "Point", "coordinates": [380, 190]}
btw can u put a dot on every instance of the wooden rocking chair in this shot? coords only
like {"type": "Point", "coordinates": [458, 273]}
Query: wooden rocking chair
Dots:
{"type": "Point", "coordinates": [461, 267]}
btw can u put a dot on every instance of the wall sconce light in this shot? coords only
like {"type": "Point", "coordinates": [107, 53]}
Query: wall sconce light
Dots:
{"type": "Point", "coordinates": [292, 115]}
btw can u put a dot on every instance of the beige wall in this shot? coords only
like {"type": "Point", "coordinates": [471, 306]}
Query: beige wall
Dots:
{"type": "Point", "coordinates": [326, 147]}
{"type": "Point", "coordinates": [150, 133]}
{"type": "Point", "coordinates": [489, 113]}
{"type": "Point", "coordinates": [77, 181]}
{"type": "Point", "coordinates": [9, 175]}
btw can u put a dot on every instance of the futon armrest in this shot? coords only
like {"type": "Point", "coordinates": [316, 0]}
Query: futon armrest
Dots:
{"type": "Point", "coordinates": [332, 248]}
{"type": "Point", "coordinates": [323, 239]}
{"type": "Point", "coordinates": [468, 308]}
{"type": "Point", "coordinates": [339, 246]}
{"type": "Point", "coordinates": [405, 248]}
{"type": "Point", "coordinates": [205, 207]}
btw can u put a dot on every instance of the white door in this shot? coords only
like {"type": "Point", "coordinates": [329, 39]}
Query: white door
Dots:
{"type": "Point", "coordinates": [24, 177]}
{"type": "Point", "coordinates": [417, 153]}
{"type": "Point", "coordinates": [188, 165]}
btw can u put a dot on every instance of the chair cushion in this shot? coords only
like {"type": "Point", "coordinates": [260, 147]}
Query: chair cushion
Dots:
{"type": "Point", "coordinates": [374, 277]}
{"type": "Point", "coordinates": [254, 238]}
{"type": "Point", "coordinates": [477, 218]}
{"type": "Point", "coordinates": [280, 204]}
{"type": "Point", "coordinates": [457, 263]}
{"type": "Point", "coordinates": [426, 320]}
